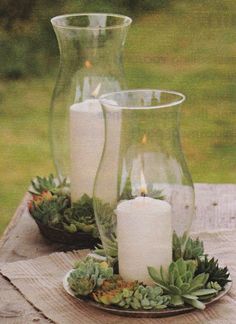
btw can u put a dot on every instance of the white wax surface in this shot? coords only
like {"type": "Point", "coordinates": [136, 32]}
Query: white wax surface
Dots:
{"type": "Point", "coordinates": [86, 145]}
{"type": "Point", "coordinates": [109, 172]}
{"type": "Point", "coordinates": [144, 234]}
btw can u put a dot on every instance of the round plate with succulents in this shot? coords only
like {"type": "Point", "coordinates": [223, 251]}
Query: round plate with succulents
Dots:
{"type": "Point", "coordinates": [192, 281]}
{"type": "Point", "coordinates": [59, 219]}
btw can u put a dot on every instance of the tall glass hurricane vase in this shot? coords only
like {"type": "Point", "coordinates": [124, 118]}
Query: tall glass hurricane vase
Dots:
{"type": "Point", "coordinates": [90, 64]}
{"type": "Point", "coordinates": [143, 189]}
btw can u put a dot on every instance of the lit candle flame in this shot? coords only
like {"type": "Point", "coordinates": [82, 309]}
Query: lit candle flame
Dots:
{"type": "Point", "coordinates": [143, 188]}
{"type": "Point", "coordinates": [88, 64]}
{"type": "Point", "coordinates": [144, 139]}
{"type": "Point", "coordinates": [96, 90]}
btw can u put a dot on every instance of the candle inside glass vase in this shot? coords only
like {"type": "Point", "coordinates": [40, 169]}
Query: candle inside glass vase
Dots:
{"type": "Point", "coordinates": [142, 226]}
{"type": "Point", "coordinates": [86, 144]}
{"type": "Point", "coordinates": [144, 234]}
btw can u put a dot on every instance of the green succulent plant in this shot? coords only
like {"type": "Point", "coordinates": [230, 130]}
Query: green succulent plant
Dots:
{"type": "Point", "coordinates": [180, 283]}
{"type": "Point", "coordinates": [215, 272]}
{"type": "Point", "coordinates": [127, 191]}
{"type": "Point", "coordinates": [51, 205]}
{"type": "Point", "coordinates": [107, 225]}
{"type": "Point", "coordinates": [81, 215]}
{"type": "Point", "coordinates": [186, 247]}
{"type": "Point", "coordinates": [149, 298]}
{"type": "Point", "coordinates": [50, 211]}
{"type": "Point", "coordinates": [42, 184]}
{"type": "Point", "coordinates": [130, 295]}
{"type": "Point", "coordinates": [156, 194]}
{"type": "Point", "coordinates": [214, 285]}
{"type": "Point", "coordinates": [112, 248]}
{"type": "Point", "coordinates": [88, 275]}
{"type": "Point", "coordinates": [58, 213]}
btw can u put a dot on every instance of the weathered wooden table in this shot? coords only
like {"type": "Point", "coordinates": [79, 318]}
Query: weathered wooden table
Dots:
{"type": "Point", "coordinates": [215, 209]}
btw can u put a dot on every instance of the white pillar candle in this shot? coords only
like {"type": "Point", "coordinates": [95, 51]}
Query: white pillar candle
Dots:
{"type": "Point", "coordinates": [144, 234]}
{"type": "Point", "coordinates": [86, 145]}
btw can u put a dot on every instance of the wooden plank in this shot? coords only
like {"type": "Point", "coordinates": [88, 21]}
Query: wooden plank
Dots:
{"type": "Point", "coordinates": [20, 210]}
{"type": "Point", "coordinates": [15, 309]}
{"type": "Point", "coordinates": [215, 207]}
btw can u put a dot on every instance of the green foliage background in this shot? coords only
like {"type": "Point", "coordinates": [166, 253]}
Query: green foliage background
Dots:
{"type": "Point", "coordinates": [183, 45]}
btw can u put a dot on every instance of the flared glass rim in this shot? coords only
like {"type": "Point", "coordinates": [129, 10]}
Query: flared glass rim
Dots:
{"type": "Point", "coordinates": [126, 21]}
{"type": "Point", "coordinates": [106, 99]}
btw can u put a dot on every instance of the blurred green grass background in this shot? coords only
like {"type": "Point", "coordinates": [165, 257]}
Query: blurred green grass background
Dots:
{"type": "Point", "coordinates": [182, 45]}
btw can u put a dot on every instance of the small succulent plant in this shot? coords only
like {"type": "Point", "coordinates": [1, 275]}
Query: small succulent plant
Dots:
{"type": "Point", "coordinates": [211, 266]}
{"type": "Point", "coordinates": [48, 209]}
{"type": "Point", "coordinates": [51, 205]}
{"type": "Point", "coordinates": [214, 285]}
{"type": "Point", "coordinates": [181, 284]}
{"type": "Point", "coordinates": [132, 295]}
{"type": "Point", "coordinates": [149, 298]}
{"type": "Point", "coordinates": [186, 247]}
{"type": "Point", "coordinates": [107, 225]}
{"type": "Point", "coordinates": [89, 275]}
{"type": "Point", "coordinates": [81, 215]}
{"type": "Point", "coordinates": [42, 184]}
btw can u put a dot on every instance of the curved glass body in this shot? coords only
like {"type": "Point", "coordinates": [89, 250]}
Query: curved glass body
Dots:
{"type": "Point", "coordinates": [143, 189]}
{"type": "Point", "coordinates": [90, 65]}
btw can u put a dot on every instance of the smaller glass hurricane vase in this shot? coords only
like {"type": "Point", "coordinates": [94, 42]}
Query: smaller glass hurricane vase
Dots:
{"type": "Point", "coordinates": [143, 189]}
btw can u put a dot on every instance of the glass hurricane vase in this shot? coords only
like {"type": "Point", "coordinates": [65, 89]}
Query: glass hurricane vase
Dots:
{"type": "Point", "coordinates": [90, 64]}
{"type": "Point", "coordinates": [143, 189]}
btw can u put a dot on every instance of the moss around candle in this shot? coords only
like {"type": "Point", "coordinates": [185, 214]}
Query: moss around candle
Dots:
{"type": "Point", "coordinates": [86, 144]}
{"type": "Point", "coordinates": [144, 234]}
